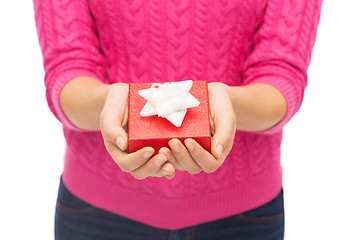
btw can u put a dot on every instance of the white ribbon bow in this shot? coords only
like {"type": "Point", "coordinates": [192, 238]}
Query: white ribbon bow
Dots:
{"type": "Point", "coordinates": [168, 100]}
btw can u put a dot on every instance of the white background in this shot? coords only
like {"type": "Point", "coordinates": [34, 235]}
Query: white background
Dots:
{"type": "Point", "coordinates": [314, 153]}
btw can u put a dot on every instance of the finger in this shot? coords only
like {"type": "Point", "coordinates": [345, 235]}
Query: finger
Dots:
{"type": "Point", "coordinates": [113, 118]}
{"type": "Point", "coordinates": [112, 131]}
{"type": "Point", "coordinates": [170, 176]}
{"type": "Point", "coordinates": [150, 168]}
{"type": "Point", "coordinates": [224, 120]}
{"type": "Point", "coordinates": [171, 158]}
{"type": "Point", "coordinates": [183, 157]}
{"type": "Point", "coordinates": [223, 138]}
{"type": "Point", "coordinates": [128, 162]}
{"type": "Point", "coordinates": [117, 149]}
{"type": "Point", "coordinates": [203, 158]}
{"type": "Point", "coordinates": [167, 170]}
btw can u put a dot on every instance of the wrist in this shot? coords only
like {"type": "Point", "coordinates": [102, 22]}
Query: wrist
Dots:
{"type": "Point", "coordinates": [233, 92]}
{"type": "Point", "coordinates": [238, 97]}
{"type": "Point", "coordinates": [82, 100]}
{"type": "Point", "coordinates": [100, 94]}
{"type": "Point", "coordinates": [258, 107]}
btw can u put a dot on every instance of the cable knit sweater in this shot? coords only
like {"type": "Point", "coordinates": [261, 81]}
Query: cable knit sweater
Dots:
{"type": "Point", "coordinates": [236, 42]}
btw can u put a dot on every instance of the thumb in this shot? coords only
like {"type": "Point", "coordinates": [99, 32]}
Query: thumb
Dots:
{"type": "Point", "coordinates": [112, 130]}
{"type": "Point", "coordinates": [114, 117]}
{"type": "Point", "coordinates": [224, 123]}
{"type": "Point", "coordinates": [121, 140]}
{"type": "Point", "coordinates": [222, 140]}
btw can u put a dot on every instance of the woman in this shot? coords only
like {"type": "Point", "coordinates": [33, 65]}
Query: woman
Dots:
{"type": "Point", "coordinates": [253, 53]}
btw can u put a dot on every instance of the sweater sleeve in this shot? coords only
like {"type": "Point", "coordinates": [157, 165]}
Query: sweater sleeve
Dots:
{"type": "Point", "coordinates": [281, 51]}
{"type": "Point", "coordinates": [70, 48]}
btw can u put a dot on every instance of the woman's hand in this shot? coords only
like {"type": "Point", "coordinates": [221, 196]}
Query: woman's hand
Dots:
{"type": "Point", "coordinates": [191, 157]}
{"type": "Point", "coordinates": [113, 125]}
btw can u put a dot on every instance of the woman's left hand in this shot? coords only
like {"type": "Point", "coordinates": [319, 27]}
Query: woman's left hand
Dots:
{"type": "Point", "coordinates": [191, 157]}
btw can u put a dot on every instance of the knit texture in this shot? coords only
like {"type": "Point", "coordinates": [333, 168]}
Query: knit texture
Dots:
{"type": "Point", "coordinates": [236, 42]}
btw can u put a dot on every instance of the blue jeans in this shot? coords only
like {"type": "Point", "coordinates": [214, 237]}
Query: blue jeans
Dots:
{"type": "Point", "coordinates": [78, 220]}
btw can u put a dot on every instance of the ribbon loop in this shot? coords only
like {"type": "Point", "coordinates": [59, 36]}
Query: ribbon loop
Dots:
{"type": "Point", "coordinates": [169, 100]}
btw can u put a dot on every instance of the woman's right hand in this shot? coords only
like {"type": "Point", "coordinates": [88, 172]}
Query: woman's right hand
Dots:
{"type": "Point", "coordinates": [113, 125]}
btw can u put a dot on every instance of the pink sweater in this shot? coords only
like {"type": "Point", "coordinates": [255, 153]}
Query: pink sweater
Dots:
{"type": "Point", "coordinates": [235, 42]}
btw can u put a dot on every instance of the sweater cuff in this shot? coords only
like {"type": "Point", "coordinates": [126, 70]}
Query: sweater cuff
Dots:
{"type": "Point", "coordinates": [54, 88]}
{"type": "Point", "coordinates": [291, 94]}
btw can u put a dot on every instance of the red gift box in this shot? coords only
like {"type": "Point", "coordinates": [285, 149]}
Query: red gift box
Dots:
{"type": "Point", "coordinates": [156, 132]}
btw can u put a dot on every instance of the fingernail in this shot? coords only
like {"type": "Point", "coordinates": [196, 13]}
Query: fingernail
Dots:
{"type": "Point", "coordinates": [158, 163]}
{"type": "Point", "coordinates": [120, 142]}
{"type": "Point", "coordinates": [190, 146]}
{"type": "Point", "coordinates": [165, 173]}
{"type": "Point", "coordinates": [219, 150]}
{"type": "Point", "coordinates": [147, 155]}
{"type": "Point", "coordinates": [175, 147]}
